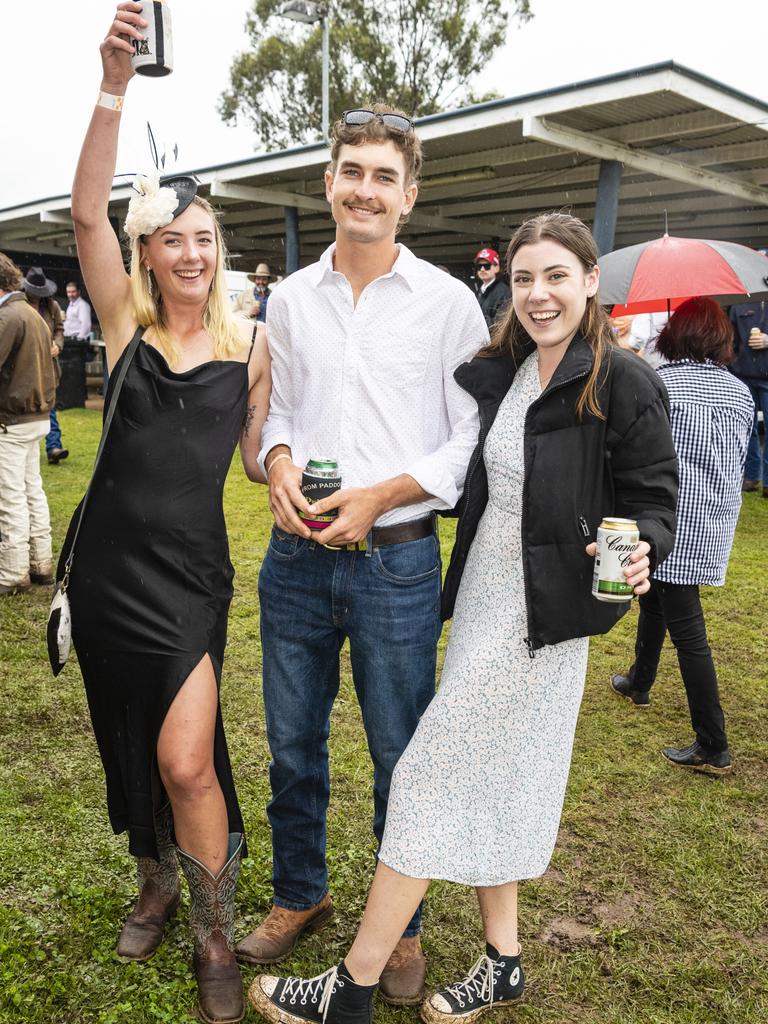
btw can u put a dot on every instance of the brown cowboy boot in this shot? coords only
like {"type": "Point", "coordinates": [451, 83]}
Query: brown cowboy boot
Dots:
{"type": "Point", "coordinates": [402, 980]}
{"type": "Point", "coordinates": [278, 932]}
{"type": "Point", "coordinates": [212, 916]}
{"type": "Point", "coordinates": [159, 894]}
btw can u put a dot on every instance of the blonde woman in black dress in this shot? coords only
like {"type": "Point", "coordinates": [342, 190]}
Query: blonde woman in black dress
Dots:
{"type": "Point", "coordinates": [151, 581]}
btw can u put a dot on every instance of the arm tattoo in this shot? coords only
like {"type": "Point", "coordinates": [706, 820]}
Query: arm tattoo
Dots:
{"type": "Point", "coordinates": [248, 419]}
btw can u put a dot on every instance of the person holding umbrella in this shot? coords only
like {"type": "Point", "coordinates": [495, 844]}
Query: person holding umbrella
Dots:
{"type": "Point", "coordinates": [712, 413]}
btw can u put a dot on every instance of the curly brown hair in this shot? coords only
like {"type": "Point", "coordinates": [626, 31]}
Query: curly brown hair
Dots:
{"type": "Point", "coordinates": [10, 275]}
{"type": "Point", "coordinates": [375, 130]}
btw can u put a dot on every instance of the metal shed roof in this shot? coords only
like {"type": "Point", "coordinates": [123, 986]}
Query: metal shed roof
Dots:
{"type": "Point", "coordinates": [693, 151]}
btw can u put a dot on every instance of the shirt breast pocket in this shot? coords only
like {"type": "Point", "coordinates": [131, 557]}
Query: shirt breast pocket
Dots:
{"type": "Point", "coordinates": [398, 359]}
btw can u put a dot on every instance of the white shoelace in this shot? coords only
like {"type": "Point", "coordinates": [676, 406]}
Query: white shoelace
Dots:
{"type": "Point", "coordinates": [478, 983]}
{"type": "Point", "coordinates": [308, 990]}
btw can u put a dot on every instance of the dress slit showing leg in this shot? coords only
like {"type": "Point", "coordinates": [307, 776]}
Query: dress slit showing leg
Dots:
{"type": "Point", "coordinates": [151, 581]}
{"type": "Point", "coordinates": [219, 753]}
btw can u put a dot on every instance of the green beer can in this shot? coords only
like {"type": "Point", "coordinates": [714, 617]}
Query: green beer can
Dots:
{"type": "Point", "coordinates": [320, 479]}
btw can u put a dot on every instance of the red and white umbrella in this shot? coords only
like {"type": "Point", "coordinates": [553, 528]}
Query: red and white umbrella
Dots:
{"type": "Point", "coordinates": [656, 276]}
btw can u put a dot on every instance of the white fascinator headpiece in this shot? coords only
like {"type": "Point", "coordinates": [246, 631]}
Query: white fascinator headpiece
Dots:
{"type": "Point", "coordinates": [157, 199]}
{"type": "Point", "coordinates": [152, 207]}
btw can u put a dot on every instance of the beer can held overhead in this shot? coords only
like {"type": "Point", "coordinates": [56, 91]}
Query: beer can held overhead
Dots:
{"type": "Point", "coordinates": [616, 540]}
{"type": "Point", "coordinates": [320, 479]}
{"type": "Point", "coordinates": [154, 53]}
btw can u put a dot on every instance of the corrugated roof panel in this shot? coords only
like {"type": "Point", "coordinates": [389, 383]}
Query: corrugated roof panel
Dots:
{"type": "Point", "coordinates": [629, 111]}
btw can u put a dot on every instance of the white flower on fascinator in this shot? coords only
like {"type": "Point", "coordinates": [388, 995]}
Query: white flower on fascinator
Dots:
{"type": "Point", "coordinates": [152, 207]}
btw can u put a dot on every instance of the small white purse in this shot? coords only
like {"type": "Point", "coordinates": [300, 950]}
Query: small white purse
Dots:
{"type": "Point", "coordinates": [59, 630]}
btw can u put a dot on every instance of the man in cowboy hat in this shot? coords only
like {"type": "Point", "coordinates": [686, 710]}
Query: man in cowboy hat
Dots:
{"type": "Point", "coordinates": [27, 389]}
{"type": "Point", "coordinates": [253, 301]}
{"type": "Point", "coordinates": [40, 290]}
{"type": "Point", "coordinates": [494, 296]}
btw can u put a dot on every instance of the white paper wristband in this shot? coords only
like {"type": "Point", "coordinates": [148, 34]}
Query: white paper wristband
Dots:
{"type": "Point", "coordinates": [106, 99]}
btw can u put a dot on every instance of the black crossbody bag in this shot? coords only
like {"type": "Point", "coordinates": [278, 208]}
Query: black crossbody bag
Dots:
{"type": "Point", "coordinates": [59, 631]}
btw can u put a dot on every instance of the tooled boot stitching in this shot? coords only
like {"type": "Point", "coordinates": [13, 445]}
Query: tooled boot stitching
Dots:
{"type": "Point", "coordinates": [158, 880]}
{"type": "Point", "coordinates": [212, 918]}
{"type": "Point", "coordinates": [163, 872]}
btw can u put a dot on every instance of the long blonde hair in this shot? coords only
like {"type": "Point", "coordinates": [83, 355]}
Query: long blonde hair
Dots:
{"type": "Point", "coordinates": [595, 326]}
{"type": "Point", "coordinates": [218, 318]}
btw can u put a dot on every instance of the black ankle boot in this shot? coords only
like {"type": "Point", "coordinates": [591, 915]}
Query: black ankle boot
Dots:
{"type": "Point", "coordinates": [330, 998]}
{"type": "Point", "coordinates": [624, 686]}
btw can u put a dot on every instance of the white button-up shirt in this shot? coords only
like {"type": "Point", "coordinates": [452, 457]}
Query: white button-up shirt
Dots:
{"type": "Point", "coordinates": [77, 322]}
{"type": "Point", "coordinates": [371, 385]}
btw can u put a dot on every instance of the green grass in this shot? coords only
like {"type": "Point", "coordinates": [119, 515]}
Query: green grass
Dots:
{"type": "Point", "coordinates": [653, 910]}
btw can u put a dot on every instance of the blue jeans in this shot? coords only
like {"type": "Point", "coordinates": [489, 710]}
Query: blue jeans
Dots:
{"type": "Point", "coordinates": [387, 602]}
{"type": "Point", "coordinates": [53, 437]}
{"type": "Point", "coordinates": [759, 389]}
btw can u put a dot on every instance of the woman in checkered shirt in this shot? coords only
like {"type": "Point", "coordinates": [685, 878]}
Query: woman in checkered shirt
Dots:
{"type": "Point", "coordinates": [711, 415]}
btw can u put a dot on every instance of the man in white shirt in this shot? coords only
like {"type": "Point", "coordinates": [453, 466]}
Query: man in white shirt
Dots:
{"type": "Point", "coordinates": [77, 322]}
{"type": "Point", "coordinates": [364, 345]}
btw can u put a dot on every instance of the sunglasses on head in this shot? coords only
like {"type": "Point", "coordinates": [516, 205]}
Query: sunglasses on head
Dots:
{"type": "Point", "coordinates": [483, 266]}
{"type": "Point", "coordinates": [398, 122]}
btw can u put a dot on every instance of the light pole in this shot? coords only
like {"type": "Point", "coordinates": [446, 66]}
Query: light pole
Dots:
{"type": "Point", "coordinates": [310, 12]}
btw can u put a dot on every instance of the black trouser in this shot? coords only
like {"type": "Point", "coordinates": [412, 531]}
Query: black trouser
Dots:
{"type": "Point", "coordinates": [677, 607]}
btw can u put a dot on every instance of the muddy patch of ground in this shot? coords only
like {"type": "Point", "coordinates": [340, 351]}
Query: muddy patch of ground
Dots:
{"type": "Point", "coordinates": [567, 933]}
{"type": "Point", "coordinates": [620, 912]}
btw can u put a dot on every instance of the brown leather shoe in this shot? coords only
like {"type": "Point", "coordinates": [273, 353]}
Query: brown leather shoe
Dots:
{"type": "Point", "coordinates": [279, 931]}
{"type": "Point", "coordinates": [402, 980]}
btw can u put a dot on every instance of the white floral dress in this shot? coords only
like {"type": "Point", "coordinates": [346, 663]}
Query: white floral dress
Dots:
{"type": "Point", "coordinates": [477, 795]}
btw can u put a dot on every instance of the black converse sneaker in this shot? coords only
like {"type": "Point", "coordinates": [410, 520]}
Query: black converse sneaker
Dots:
{"type": "Point", "coordinates": [330, 998]}
{"type": "Point", "coordinates": [494, 980]}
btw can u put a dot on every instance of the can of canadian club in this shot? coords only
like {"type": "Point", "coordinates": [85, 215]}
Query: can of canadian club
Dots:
{"type": "Point", "coordinates": [153, 55]}
{"type": "Point", "coordinates": [320, 479]}
{"type": "Point", "coordinates": [616, 540]}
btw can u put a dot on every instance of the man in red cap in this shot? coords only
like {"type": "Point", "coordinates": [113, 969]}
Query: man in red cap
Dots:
{"type": "Point", "coordinates": [493, 295]}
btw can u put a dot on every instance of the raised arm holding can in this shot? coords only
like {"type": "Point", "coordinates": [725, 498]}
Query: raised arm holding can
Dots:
{"type": "Point", "coordinates": [146, 560]}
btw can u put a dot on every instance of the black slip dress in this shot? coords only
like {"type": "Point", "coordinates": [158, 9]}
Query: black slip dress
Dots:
{"type": "Point", "coordinates": [151, 582]}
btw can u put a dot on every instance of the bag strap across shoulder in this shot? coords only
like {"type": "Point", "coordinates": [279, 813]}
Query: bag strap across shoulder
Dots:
{"type": "Point", "coordinates": [126, 361]}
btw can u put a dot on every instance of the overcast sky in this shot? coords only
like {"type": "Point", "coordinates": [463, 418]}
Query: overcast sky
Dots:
{"type": "Point", "coordinates": [50, 72]}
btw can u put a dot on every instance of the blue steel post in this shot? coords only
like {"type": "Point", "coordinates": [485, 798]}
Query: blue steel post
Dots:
{"type": "Point", "coordinates": [292, 241]}
{"type": "Point", "coordinates": [607, 205]}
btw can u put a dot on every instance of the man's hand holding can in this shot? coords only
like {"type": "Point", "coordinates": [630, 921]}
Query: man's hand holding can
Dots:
{"type": "Point", "coordinates": [285, 496]}
{"type": "Point", "coordinates": [358, 508]}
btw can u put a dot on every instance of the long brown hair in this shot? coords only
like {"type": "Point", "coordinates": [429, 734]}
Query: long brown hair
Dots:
{"type": "Point", "coordinates": [510, 335]}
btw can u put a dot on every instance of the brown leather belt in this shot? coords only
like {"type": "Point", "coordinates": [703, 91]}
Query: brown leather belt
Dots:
{"type": "Point", "coordinates": [416, 529]}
